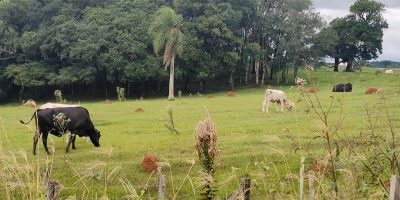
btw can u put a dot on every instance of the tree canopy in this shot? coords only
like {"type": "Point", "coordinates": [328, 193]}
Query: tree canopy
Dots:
{"type": "Point", "coordinates": [360, 33]}
{"type": "Point", "coordinates": [91, 47]}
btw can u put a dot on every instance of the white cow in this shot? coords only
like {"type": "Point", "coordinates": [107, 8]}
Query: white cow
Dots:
{"type": "Point", "coordinates": [389, 71]}
{"type": "Point", "coordinates": [278, 97]}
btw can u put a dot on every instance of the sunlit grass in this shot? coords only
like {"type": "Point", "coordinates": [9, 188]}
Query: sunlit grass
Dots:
{"type": "Point", "coordinates": [246, 136]}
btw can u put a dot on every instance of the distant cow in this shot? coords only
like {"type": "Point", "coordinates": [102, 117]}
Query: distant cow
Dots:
{"type": "Point", "coordinates": [278, 97]}
{"type": "Point", "coordinates": [389, 71]}
{"type": "Point", "coordinates": [79, 124]}
{"type": "Point", "coordinates": [342, 87]}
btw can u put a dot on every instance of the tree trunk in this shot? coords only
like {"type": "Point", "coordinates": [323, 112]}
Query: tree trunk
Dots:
{"type": "Point", "coordinates": [257, 69]}
{"type": "Point", "coordinates": [171, 96]}
{"type": "Point", "coordinates": [336, 67]}
{"type": "Point", "coordinates": [263, 76]}
{"type": "Point", "coordinates": [185, 89]}
{"type": "Point", "coordinates": [287, 76]}
{"type": "Point", "coordinates": [21, 93]}
{"type": "Point", "coordinates": [246, 78]}
{"type": "Point", "coordinates": [349, 67]}
{"type": "Point", "coordinates": [295, 72]}
{"type": "Point", "coordinates": [271, 76]}
{"type": "Point", "coordinates": [231, 81]}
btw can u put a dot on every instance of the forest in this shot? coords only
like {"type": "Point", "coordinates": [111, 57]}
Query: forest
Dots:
{"type": "Point", "coordinates": [87, 48]}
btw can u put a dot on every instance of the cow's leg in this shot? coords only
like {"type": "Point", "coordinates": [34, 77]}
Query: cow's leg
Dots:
{"type": "Point", "coordinates": [35, 141]}
{"type": "Point", "coordinates": [73, 141]}
{"type": "Point", "coordinates": [281, 100]}
{"type": "Point", "coordinates": [266, 106]}
{"type": "Point", "coordinates": [44, 138]}
{"type": "Point", "coordinates": [263, 105]}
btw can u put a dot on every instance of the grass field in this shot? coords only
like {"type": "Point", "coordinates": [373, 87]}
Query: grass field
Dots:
{"type": "Point", "coordinates": [250, 142]}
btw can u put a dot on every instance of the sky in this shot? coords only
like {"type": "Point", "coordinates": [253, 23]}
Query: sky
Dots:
{"type": "Point", "coordinates": [330, 9]}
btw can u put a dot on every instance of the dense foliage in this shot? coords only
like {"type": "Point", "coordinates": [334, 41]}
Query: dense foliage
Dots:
{"type": "Point", "coordinates": [91, 47]}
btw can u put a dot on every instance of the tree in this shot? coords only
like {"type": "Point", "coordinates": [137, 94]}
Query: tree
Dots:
{"type": "Point", "coordinates": [166, 33]}
{"type": "Point", "coordinates": [386, 63]}
{"type": "Point", "coordinates": [32, 74]}
{"type": "Point", "coordinates": [360, 33]}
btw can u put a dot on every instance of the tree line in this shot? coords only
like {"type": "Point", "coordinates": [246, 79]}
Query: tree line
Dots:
{"type": "Point", "coordinates": [90, 47]}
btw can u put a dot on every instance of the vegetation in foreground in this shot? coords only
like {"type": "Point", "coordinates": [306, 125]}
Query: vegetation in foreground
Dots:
{"type": "Point", "coordinates": [268, 147]}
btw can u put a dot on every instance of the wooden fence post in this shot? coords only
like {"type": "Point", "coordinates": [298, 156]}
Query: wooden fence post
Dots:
{"type": "Point", "coordinates": [244, 188]}
{"type": "Point", "coordinates": [52, 188]}
{"type": "Point", "coordinates": [162, 184]}
{"type": "Point", "coordinates": [394, 188]}
{"type": "Point", "coordinates": [311, 177]}
{"type": "Point", "coordinates": [302, 177]}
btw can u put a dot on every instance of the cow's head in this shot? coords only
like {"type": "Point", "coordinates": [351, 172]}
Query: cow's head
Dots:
{"type": "Point", "coordinates": [289, 104]}
{"type": "Point", "coordinates": [95, 138]}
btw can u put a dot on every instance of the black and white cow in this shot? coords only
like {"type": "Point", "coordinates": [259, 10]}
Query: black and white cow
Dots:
{"type": "Point", "coordinates": [79, 124]}
{"type": "Point", "coordinates": [342, 88]}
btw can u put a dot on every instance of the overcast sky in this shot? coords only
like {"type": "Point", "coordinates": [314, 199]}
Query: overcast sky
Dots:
{"type": "Point", "coordinates": [330, 9]}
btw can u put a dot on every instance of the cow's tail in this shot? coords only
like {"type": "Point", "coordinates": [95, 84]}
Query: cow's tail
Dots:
{"type": "Point", "coordinates": [22, 122]}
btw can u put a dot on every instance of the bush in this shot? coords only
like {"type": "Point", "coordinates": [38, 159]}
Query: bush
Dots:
{"type": "Point", "coordinates": [121, 94]}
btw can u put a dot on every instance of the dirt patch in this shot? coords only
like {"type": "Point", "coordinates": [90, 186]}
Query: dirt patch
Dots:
{"type": "Point", "coordinates": [107, 101]}
{"type": "Point", "coordinates": [230, 94]}
{"type": "Point", "coordinates": [149, 163]}
{"type": "Point", "coordinates": [312, 90]}
{"type": "Point", "coordinates": [139, 110]}
{"type": "Point", "coordinates": [371, 91]}
{"type": "Point", "coordinates": [210, 97]}
{"type": "Point", "coordinates": [30, 103]}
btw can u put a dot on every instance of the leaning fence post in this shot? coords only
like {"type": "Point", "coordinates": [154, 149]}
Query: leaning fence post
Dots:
{"type": "Point", "coordinates": [52, 188]}
{"type": "Point", "coordinates": [302, 177]}
{"type": "Point", "coordinates": [244, 188]}
{"type": "Point", "coordinates": [311, 177]}
{"type": "Point", "coordinates": [394, 188]}
{"type": "Point", "coordinates": [162, 184]}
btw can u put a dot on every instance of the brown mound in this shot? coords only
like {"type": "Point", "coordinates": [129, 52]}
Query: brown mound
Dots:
{"type": "Point", "coordinates": [231, 94]}
{"type": "Point", "coordinates": [107, 101]}
{"type": "Point", "coordinates": [149, 163]}
{"type": "Point", "coordinates": [210, 97]}
{"type": "Point", "coordinates": [30, 103]}
{"type": "Point", "coordinates": [312, 90]}
{"type": "Point", "coordinates": [139, 110]}
{"type": "Point", "coordinates": [371, 91]}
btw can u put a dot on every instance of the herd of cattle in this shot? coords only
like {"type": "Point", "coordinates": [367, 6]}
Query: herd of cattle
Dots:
{"type": "Point", "coordinates": [280, 97]}
{"type": "Point", "coordinates": [80, 124]}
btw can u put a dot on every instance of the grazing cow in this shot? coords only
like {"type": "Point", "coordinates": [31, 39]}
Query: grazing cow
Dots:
{"type": "Point", "coordinates": [389, 71]}
{"type": "Point", "coordinates": [79, 124]}
{"type": "Point", "coordinates": [278, 97]}
{"type": "Point", "coordinates": [343, 87]}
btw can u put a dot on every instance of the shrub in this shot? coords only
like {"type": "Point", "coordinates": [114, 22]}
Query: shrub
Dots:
{"type": "Point", "coordinates": [121, 94]}
{"type": "Point", "coordinates": [59, 97]}
{"type": "Point", "coordinates": [205, 143]}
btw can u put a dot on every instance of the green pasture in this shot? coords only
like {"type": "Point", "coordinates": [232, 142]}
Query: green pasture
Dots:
{"type": "Point", "coordinates": [246, 136]}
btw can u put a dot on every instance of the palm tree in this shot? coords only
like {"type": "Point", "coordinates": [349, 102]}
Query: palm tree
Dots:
{"type": "Point", "coordinates": [166, 35]}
